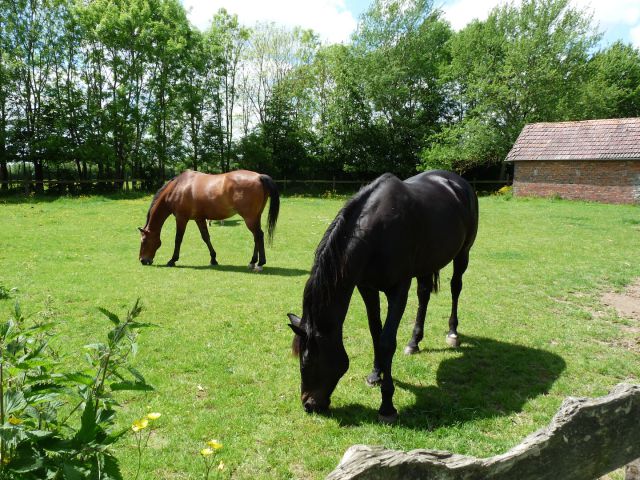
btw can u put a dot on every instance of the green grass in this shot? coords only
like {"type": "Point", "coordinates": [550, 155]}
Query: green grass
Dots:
{"type": "Point", "coordinates": [220, 357]}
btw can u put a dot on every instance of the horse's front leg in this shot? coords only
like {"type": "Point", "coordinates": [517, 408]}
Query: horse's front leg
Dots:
{"type": "Point", "coordinates": [371, 298]}
{"type": "Point", "coordinates": [397, 300]}
{"type": "Point", "coordinates": [181, 225]}
{"type": "Point", "coordinates": [206, 238]}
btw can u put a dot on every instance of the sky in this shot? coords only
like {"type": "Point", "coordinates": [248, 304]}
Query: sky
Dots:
{"type": "Point", "coordinates": [335, 20]}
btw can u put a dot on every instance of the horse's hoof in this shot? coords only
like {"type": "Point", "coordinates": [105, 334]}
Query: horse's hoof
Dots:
{"type": "Point", "coordinates": [257, 268]}
{"type": "Point", "coordinates": [388, 419]}
{"type": "Point", "coordinates": [171, 263]}
{"type": "Point", "coordinates": [252, 266]}
{"type": "Point", "coordinates": [214, 262]}
{"type": "Point", "coordinates": [373, 380]}
{"type": "Point", "coordinates": [409, 350]}
{"type": "Point", "coordinates": [453, 340]}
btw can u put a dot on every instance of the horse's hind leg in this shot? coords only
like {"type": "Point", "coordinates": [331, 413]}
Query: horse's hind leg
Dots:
{"type": "Point", "coordinates": [258, 244]}
{"type": "Point", "coordinates": [206, 238]}
{"type": "Point", "coordinates": [425, 285]}
{"type": "Point", "coordinates": [460, 264]}
{"type": "Point", "coordinates": [371, 299]}
{"type": "Point", "coordinates": [181, 225]}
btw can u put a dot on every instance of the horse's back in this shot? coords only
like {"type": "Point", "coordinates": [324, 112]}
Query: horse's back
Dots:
{"type": "Point", "coordinates": [217, 196]}
{"type": "Point", "coordinates": [418, 226]}
{"type": "Point", "coordinates": [448, 198]}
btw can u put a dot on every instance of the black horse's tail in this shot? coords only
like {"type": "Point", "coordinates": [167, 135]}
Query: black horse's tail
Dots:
{"type": "Point", "coordinates": [435, 281]}
{"type": "Point", "coordinates": [274, 204]}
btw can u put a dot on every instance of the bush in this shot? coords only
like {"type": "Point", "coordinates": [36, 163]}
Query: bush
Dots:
{"type": "Point", "coordinates": [57, 425]}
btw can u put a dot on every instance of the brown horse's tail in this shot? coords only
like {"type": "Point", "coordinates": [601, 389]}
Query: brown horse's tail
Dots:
{"type": "Point", "coordinates": [274, 204]}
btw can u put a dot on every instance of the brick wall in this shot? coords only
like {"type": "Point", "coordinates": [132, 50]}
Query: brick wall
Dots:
{"type": "Point", "coordinates": [609, 181]}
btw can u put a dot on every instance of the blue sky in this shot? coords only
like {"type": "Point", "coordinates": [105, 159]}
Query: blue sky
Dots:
{"type": "Point", "coordinates": [335, 20]}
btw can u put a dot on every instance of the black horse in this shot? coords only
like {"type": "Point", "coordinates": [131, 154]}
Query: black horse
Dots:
{"type": "Point", "coordinates": [388, 233]}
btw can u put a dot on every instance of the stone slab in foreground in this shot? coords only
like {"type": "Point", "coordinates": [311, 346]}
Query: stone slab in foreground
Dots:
{"type": "Point", "coordinates": [586, 439]}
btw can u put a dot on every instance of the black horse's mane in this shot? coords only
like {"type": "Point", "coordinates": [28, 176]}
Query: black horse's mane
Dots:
{"type": "Point", "coordinates": [329, 263]}
{"type": "Point", "coordinates": [156, 196]}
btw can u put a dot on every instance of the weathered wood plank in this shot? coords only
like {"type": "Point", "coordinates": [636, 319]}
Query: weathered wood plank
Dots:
{"type": "Point", "coordinates": [586, 439]}
{"type": "Point", "coordinates": [632, 472]}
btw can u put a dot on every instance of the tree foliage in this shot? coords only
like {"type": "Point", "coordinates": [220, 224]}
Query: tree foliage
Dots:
{"type": "Point", "coordinates": [121, 89]}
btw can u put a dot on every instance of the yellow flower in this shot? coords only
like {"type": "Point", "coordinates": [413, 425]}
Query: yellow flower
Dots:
{"type": "Point", "coordinates": [153, 415]}
{"type": "Point", "coordinates": [139, 424]}
{"type": "Point", "coordinates": [215, 444]}
{"type": "Point", "coordinates": [205, 452]}
{"type": "Point", "coordinates": [221, 466]}
{"type": "Point", "coordinates": [14, 421]}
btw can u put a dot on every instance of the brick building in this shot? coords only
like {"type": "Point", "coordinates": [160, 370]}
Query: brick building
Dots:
{"type": "Point", "coordinates": [595, 160]}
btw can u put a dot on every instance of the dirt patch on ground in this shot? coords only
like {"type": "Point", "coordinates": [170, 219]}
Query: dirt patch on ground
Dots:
{"type": "Point", "coordinates": [627, 303]}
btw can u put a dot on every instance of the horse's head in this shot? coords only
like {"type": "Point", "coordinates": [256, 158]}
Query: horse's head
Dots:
{"type": "Point", "coordinates": [149, 245]}
{"type": "Point", "coordinates": [323, 361]}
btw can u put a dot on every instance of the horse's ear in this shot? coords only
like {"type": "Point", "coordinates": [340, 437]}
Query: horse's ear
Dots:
{"type": "Point", "coordinates": [296, 325]}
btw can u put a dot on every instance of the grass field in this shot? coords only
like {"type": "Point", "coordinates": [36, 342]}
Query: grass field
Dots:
{"type": "Point", "coordinates": [532, 327]}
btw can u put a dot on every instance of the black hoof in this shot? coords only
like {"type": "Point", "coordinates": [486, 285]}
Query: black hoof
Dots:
{"type": "Point", "coordinates": [388, 419]}
{"type": "Point", "coordinates": [214, 262]}
{"type": "Point", "coordinates": [411, 350]}
{"type": "Point", "coordinates": [171, 263]}
{"type": "Point", "coordinates": [373, 380]}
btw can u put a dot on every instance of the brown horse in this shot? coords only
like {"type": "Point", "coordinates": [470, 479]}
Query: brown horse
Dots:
{"type": "Point", "coordinates": [201, 197]}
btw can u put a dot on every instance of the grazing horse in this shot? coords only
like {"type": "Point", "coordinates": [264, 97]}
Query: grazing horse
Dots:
{"type": "Point", "coordinates": [388, 233]}
{"type": "Point", "coordinates": [201, 197]}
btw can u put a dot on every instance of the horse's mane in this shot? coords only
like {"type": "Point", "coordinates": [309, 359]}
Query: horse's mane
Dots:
{"type": "Point", "coordinates": [328, 266]}
{"type": "Point", "coordinates": [156, 197]}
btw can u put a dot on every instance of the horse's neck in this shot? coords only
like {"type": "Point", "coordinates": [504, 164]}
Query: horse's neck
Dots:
{"type": "Point", "coordinates": [159, 214]}
{"type": "Point", "coordinates": [335, 298]}
{"type": "Point", "coordinates": [330, 316]}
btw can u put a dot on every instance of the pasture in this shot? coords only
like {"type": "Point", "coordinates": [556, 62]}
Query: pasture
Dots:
{"type": "Point", "coordinates": [532, 325]}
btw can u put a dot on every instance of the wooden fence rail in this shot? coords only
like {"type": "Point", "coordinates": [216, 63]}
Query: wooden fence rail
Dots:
{"type": "Point", "coordinates": [586, 439]}
{"type": "Point", "coordinates": [21, 183]}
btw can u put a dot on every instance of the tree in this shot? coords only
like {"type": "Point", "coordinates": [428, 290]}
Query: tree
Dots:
{"type": "Point", "coordinates": [523, 64]}
{"type": "Point", "coordinates": [34, 30]}
{"type": "Point", "coordinates": [400, 49]}
{"type": "Point", "coordinates": [230, 40]}
{"type": "Point", "coordinates": [614, 87]}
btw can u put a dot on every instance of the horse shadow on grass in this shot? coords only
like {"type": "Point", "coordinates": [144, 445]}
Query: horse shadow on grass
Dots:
{"type": "Point", "coordinates": [268, 270]}
{"type": "Point", "coordinates": [489, 379]}
{"type": "Point", "coordinates": [228, 222]}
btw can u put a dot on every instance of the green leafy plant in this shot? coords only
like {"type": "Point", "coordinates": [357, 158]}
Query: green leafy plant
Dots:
{"type": "Point", "coordinates": [60, 425]}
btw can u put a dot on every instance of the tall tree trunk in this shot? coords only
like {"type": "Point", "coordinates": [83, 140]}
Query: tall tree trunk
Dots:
{"type": "Point", "coordinates": [4, 173]}
{"type": "Point", "coordinates": [38, 171]}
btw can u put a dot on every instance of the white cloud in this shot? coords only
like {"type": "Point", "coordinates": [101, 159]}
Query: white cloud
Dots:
{"type": "Point", "coordinates": [461, 12]}
{"type": "Point", "coordinates": [329, 18]}
{"type": "Point", "coordinates": [635, 36]}
{"type": "Point", "coordinates": [613, 12]}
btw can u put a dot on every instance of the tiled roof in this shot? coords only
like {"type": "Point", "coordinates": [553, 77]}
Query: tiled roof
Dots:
{"type": "Point", "coordinates": [611, 139]}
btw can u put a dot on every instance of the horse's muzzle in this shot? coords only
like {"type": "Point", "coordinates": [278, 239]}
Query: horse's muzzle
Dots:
{"type": "Point", "coordinates": [146, 261]}
{"type": "Point", "coordinates": [311, 405]}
